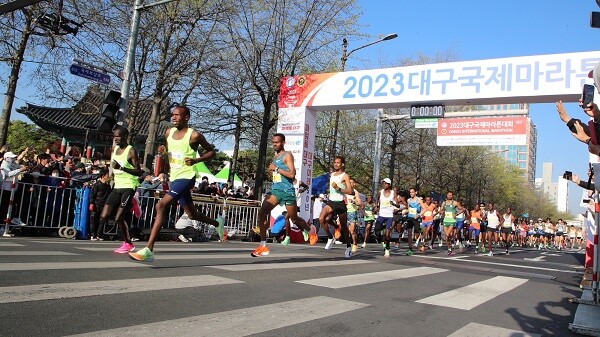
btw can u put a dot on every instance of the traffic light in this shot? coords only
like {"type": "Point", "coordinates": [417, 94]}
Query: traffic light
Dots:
{"type": "Point", "coordinates": [109, 111]}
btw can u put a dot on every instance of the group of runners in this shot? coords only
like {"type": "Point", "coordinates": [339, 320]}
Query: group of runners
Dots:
{"type": "Point", "coordinates": [424, 219]}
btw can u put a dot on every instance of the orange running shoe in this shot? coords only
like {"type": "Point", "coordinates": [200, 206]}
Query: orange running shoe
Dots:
{"type": "Point", "coordinates": [312, 239]}
{"type": "Point", "coordinates": [422, 248]}
{"type": "Point", "coordinates": [260, 251]}
{"type": "Point", "coordinates": [337, 233]}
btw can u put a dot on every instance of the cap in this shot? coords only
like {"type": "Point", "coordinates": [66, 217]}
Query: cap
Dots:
{"type": "Point", "coordinates": [321, 196]}
{"type": "Point", "coordinates": [9, 154]}
{"type": "Point", "coordinates": [387, 180]}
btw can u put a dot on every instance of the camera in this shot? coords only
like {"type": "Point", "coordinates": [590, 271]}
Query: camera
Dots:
{"type": "Point", "coordinates": [568, 175]}
{"type": "Point", "coordinates": [595, 19]}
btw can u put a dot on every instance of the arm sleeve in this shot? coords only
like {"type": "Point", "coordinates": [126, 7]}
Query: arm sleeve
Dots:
{"type": "Point", "coordinates": [586, 185]}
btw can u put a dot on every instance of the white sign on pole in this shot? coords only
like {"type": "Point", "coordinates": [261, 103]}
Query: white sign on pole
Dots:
{"type": "Point", "coordinates": [426, 123]}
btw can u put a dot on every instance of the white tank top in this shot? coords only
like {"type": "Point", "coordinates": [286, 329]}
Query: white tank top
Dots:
{"type": "Point", "coordinates": [492, 217]}
{"type": "Point", "coordinates": [386, 209]}
{"type": "Point", "coordinates": [507, 221]}
{"type": "Point", "coordinates": [334, 195]}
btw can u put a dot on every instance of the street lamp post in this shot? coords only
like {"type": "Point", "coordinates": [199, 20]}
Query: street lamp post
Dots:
{"type": "Point", "coordinates": [130, 60]}
{"type": "Point", "coordinates": [345, 55]}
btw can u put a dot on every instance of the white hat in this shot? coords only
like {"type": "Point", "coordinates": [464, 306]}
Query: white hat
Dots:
{"type": "Point", "coordinates": [9, 155]}
{"type": "Point", "coordinates": [321, 196]}
{"type": "Point", "coordinates": [387, 180]}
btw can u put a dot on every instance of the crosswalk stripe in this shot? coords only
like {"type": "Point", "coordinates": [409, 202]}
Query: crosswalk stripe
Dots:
{"type": "Point", "coordinates": [468, 297]}
{"type": "Point", "coordinates": [10, 244]}
{"type": "Point", "coordinates": [225, 256]}
{"type": "Point", "coordinates": [502, 264]}
{"type": "Point", "coordinates": [35, 253]}
{"type": "Point", "coordinates": [39, 292]}
{"type": "Point", "coordinates": [288, 265]}
{"type": "Point", "coordinates": [241, 322]}
{"type": "Point", "coordinates": [68, 265]}
{"type": "Point", "coordinates": [339, 282]}
{"type": "Point", "coordinates": [482, 330]}
{"type": "Point", "coordinates": [171, 249]}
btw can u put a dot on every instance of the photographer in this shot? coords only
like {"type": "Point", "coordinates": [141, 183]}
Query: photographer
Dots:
{"type": "Point", "coordinates": [588, 185]}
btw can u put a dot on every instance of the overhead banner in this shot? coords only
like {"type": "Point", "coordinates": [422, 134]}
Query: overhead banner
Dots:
{"type": "Point", "coordinates": [482, 131]}
{"type": "Point", "coordinates": [527, 79]}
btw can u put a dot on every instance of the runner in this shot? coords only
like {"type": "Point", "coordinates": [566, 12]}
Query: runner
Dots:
{"type": "Point", "coordinates": [353, 205]}
{"type": "Point", "coordinates": [386, 214]}
{"type": "Point", "coordinates": [126, 170]}
{"type": "Point", "coordinates": [339, 186]}
{"type": "Point", "coordinates": [462, 214]}
{"type": "Point", "coordinates": [415, 205]}
{"type": "Point", "coordinates": [475, 225]}
{"type": "Point", "coordinates": [493, 222]}
{"type": "Point", "coordinates": [282, 193]}
{"type": "Point", "coordinates": [451, 209]}
{"type": "Point", "coordinates": [182, 147]}
{"type": "Point", "coordinates": [508, 226]}
{"type": "Point", "coordinates": [484, 224]}
{"type": "Point", "coordinates": [369, 209]}
{"type": "Point", "coordinates": [428, 211]}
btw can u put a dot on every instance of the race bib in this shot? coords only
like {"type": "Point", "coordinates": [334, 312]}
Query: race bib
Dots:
{"type": "Point", "coordinates": [474, 219]}
{"type": "Point", "coordinates": [448, 214]}
{"type": "Point", "coordinates": [428, 213]}
{"type": "Point", "coordinates": [385, 203]}
{"type": "Point", "coordinates": [176, 160]}
{"type": "Point", "coordinates": [369, 213]}
{"type": "Point", "coordinates": [276, 177]}
{"type": "Point", "coordinates": [412, 211]}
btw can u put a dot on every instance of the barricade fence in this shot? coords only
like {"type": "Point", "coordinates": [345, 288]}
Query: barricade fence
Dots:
{"type": "Point", "coordinates": [38, 206]}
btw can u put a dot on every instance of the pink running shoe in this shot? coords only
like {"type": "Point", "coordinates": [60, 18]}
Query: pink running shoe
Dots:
{"type": "Point", "coordinates": [125, 248]}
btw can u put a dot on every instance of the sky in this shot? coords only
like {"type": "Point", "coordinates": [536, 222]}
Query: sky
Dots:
{"type": "Point", "coordinates": [478, 30]}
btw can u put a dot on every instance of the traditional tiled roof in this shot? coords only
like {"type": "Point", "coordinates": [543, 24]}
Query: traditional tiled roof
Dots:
{"type": "Point", "coordinates": [73, 123]}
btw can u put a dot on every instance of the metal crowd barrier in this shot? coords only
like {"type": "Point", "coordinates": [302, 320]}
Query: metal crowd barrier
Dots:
{"type": "Point", "coordinates": [52, 207]}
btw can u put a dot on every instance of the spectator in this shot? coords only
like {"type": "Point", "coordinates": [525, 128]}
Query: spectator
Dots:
{"type": "Point", "coordinates": [9, 169]}
{"type": "Point", "coordinates": [188, 229]}
{"type": "Point", "coordinates": [98, 195]}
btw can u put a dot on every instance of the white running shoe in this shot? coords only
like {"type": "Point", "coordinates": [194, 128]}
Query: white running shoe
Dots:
{"type": "Point", "coordinates": [348, 253]}
{"type": "Point", "coordinates": [386, 253]}
{"type": "Point", "coordinates": [329, 244]}
{"type": "Point", "coordinates": [364, 245]}
{"type": "Point", "coordinates": [183, 238]}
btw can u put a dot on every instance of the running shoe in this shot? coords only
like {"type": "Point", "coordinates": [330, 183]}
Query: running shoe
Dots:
{"type": "Point", "coordinates": [313, 239]}
{"type": "Point", "coordinates": [364, 245]}
{"type": "Point", "coordinates": [449, 253]}
{"type": "Point", "coordinates": [348, 253]}
{"type": "Point", "coordinates": [482, 249]}
{"type": "Point", "coordinates": [337, 233]}
{"type": "Point", "coordinates": [507, 252]}
{"type": "Point", "coordinates": [286, 241]}
{"type": "Point", "coordinates": [383, 244]}
{"type": "Point", "coordinates": [386, 253]}
{"type": "Point", "coordinates": [125, 248]}
{"type": "Point", "coordinates": [144, 254]}
{"type": "Point", "coordinates": [183, 238]}
{"type": "Point", "coordinates": [354, 248]}
{"type": "Point", "coordinates": [7, 235]}
{"type": "Point", "coordinates": [260, 251]}
{"type": "Point", "coordinates": [430, 246]}
{"type": "Point", "coordinates": [490, 254]}
{"type": "Point", "coordinates": [329, 244]}
{"type": "Point", "coordinates": [305, 235]}
{"type": "Point", "coordinates": [422, 248]}
{"type": "Point", "coordinates": [409, 252]}
{"type": "Point", "coordinates": [220, 229]}
{"type": "Point", "coordinates": [93, 238]}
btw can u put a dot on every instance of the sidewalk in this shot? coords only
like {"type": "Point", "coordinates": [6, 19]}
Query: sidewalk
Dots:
{"type": "Point", "coordinates": [587, 317]}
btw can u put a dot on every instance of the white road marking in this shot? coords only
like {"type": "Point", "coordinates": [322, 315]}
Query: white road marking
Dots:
{"type": "Point", "coordinates": [241, 322]}
{"type": "Point", "coordinates": [482, 330]}
{"type": "Point", "coordinates": [468, 297]}
{"type": "Point", "coordinates": [35, 253]}
{"type": "Point", "coordinates": [288, 265]}
{"type": "Point", "coordinates": [39, 292]}
{"type": "Point", "coordinates": [338, 282]}
{"type": "Point", "coordinates": [68, 265]}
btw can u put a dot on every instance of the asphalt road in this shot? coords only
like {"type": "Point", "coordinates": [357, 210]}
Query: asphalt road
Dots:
{"type": "Point", "coordinates": [58, 287]}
